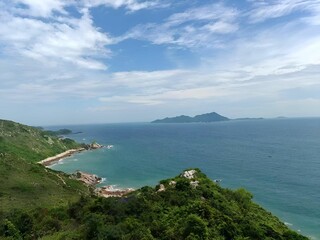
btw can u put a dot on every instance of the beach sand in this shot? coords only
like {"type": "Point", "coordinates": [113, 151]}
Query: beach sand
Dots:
{"type": "Point", "coordinates": [51, 160]}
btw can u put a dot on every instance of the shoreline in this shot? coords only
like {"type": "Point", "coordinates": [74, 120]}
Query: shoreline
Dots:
{"type": "Point", "coordinates": [51, 160]}
{"type": "Point", "coordinates": [91, 180]}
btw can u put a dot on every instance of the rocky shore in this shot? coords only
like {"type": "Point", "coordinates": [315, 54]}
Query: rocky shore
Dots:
{"type": "Point", "coordinates": [87, 178]}
{"type": "Point", "coordinates": [90, 180]}
{"type": "Point", "coordinates": [93, 146]}
{"type": "Point", "coordinates": [109, 191]}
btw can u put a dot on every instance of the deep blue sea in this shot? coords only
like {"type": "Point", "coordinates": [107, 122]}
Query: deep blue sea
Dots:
{"type": "Point", "coordinates": [277, 160]}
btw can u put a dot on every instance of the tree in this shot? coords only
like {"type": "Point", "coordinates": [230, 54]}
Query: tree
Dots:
{"type": "Point", "coordinates": [196, 228]}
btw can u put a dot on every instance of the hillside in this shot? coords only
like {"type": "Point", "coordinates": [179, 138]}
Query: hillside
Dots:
{"type": "Point", "coordinates": [25, 184]}
{"type": "Point", "coordinates": [189, 206]}
{"type": "Point", "coordinates": [29, 143]}
{"type": "Point", "coordinates": [207, 117]}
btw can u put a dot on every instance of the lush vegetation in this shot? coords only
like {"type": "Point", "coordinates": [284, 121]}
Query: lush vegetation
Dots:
{"type": "Point", "coordinates": [179, 211]}
{"type": "Point", "coordinates": [38, 203]}
{"type": "Point", "coordinates": [25, 184]}
{"type": "Point", "coordinates": [59, 132]}
{"type": "Point", "coordinates": [29, 143]}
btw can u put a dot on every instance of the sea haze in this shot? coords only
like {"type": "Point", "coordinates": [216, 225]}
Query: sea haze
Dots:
{"type": "Point", "coordinates": [277, 160]}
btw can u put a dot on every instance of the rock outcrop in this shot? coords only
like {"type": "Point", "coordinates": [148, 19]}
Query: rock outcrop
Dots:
{"type": "Point", "coordinates": [93, 146]}
{"type": "Point", "coordinates": [189, 174]}
{"type": "Point", "coordinates": [88, 179]}
{"type": "Point", "coordinates": [109, 191]}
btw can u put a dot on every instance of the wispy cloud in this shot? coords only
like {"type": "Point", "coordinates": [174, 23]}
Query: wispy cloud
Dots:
{"type": "Point", "coordinates": [263, 10]}
{"type": "Point", "coordinates": [131, 5]}
{"type": "Point", "coordinates": [200, 26]}
{"type": "Point", "coordinates": [38, 8]}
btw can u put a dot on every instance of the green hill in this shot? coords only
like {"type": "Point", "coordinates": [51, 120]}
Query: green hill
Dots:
{"type": "Point", "coordinates": [30, 143]}
{"type": "Point", "coordinates": [178, 209]}
{"type": "Point", "coordinates": [25, 184]}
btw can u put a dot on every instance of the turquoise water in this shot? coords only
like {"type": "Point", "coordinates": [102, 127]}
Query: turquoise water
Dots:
{"type": "Point", "coordinates": [277, 160]}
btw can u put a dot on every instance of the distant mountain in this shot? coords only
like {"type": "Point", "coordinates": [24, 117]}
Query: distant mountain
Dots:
{"type": "Point", "coordinates": [207, 117]}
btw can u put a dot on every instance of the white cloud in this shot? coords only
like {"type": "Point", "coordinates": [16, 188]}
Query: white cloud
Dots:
{"type": "Point", "coordinates": [221, 27]}
{"type": "Point", "coordinates": [195, 27]}
{"type": "Point", "coordinates": [45, 31]}
{"type": "Point", "coordinates": [131, 5]}
{"type": "Point", "coordinates": [40, 8]}
{"type": "Point", "coordinates": [73, 40]}
{"type": "Point", "coordinates": [207, 12]}
{"type": "Point", "coordinates": [264, 10]}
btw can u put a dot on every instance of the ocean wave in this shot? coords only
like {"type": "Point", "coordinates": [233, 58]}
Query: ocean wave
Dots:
{"type": "Point", "coordinates": [288, 224]}
{"type": "Point", "coordinates": [56, 163]}
{"type": "Point", "coordinates": [103, 180]}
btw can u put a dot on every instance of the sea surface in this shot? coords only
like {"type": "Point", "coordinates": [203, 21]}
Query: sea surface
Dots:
{"type": "Point", "coordinates": [278, 160]}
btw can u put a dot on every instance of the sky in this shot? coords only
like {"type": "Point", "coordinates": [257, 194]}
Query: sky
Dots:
{"type": "Point", "coordinates": [106, 61]}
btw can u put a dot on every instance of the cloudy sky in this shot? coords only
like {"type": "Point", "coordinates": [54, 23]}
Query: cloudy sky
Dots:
{"type": "Point", "coordinates": [99, 61]}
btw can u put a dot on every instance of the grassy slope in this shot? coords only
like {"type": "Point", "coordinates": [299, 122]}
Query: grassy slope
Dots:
{"type": "Point", "coordinates": [25, 184]}
{"type": "Point", "coordinates": [30, 144]}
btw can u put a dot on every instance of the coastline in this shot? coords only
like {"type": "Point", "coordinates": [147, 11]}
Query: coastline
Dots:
{"type": "Point", "coordinates": [51, 160]}
{"type": "Point", "coordinates": [91, 180]}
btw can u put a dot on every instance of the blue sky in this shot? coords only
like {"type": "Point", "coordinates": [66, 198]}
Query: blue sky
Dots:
{"type": "Point", "coordinates": [100, 61]}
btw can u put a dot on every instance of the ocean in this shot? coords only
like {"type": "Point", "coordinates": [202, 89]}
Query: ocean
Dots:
{"type": "Point", "coordinates": [278, 160]}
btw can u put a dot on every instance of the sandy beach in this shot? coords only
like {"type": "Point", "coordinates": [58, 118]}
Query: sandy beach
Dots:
{"type": "Point", "coordinates": [51, 160]}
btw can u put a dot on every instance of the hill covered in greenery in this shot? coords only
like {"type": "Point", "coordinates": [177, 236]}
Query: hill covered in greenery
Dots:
{"type": "Point", "coordinates": [180, 208]}
{"type": "Point", "coordinates": [207, 117]}
{"type": "Point", "coordinates": [39, 203]}
{"type": "Point", "coordinates": [30, 143]}
{"type": "Point", "coordinates": [25, 184]}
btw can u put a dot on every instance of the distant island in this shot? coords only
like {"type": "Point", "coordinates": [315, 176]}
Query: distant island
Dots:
{"type": "Point", "coordinates": [202, 118]}
{"type": "Point", "coordinates": [207, 117]}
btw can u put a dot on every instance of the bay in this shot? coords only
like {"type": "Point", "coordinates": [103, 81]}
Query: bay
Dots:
{"type": "Point", "coordinates": [275, 159]}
